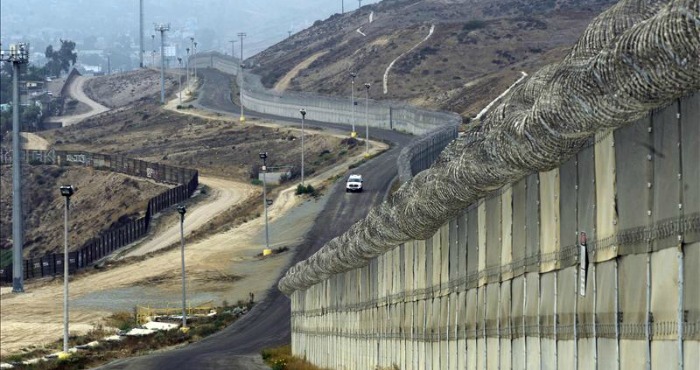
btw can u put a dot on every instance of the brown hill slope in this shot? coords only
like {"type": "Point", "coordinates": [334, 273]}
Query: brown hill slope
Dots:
{"type": "Point", "coordinates": [476, 49]}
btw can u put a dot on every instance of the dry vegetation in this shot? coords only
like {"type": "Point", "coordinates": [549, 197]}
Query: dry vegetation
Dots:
{"type": "Point", "coordinates": [477, 49]}
{"type": "Point", "coordinates": [215, 147]}
{"type": "Point", "coordinates": [121, 89]}
{"type": "Point", "coordinates": [103, 199]}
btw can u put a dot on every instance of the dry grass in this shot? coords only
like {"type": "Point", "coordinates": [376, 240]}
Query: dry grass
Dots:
{"type": "Point", "coordinates": [281, 358]}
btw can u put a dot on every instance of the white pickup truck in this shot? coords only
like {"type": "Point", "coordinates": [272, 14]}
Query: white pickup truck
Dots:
{"type": "Point", "coordinates": [354, 183]}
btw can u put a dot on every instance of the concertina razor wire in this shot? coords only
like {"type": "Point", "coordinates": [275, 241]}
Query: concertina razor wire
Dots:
{"type": "Point", "coordinates": [637, 56]}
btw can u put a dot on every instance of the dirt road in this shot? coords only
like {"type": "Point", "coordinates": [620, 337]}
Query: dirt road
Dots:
{"type": "Point", "coordinates": [76, 91]}
{"type": "Point", "coordinates": [222, 267]}
{"type": "Point", "coordinates": [227, 194]}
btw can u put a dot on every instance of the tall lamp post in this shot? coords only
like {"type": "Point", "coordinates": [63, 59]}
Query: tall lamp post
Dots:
{"type": "Point", "coordinates": [303, 115]}
{"type": "Point", "coordinates": [352, 101]}
{"type": "Point", "coordinates": [233, 50]}
{"type": "Point", "coordinates": [17, 55]}
{"type": "Point", "coordinates": [263, 156]}
{"type": "Point", "coordinates": [66, 191]}
{"type": "Point", "coordinates": [194, 59]}
{"type": "Point", "coordinates": [240, 88]}
{"type": "Point", "coordinates": [162, 28]}
{"type": "Point", "coordinates": [187, 70]}
{"type": "Point", "coordinates": [182, 210]}
{"type": "Point", "coordinates": [367, 86]}
{"type": "Point", "coordinates": [179, 80]}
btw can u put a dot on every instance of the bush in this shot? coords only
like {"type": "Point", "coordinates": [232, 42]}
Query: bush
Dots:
{"type": "Point", "coordinates": [256, 182]}
{"type": "Point", "coordinates": [473, 25]}
{"type": "Point", "coordinates": [308, 189]}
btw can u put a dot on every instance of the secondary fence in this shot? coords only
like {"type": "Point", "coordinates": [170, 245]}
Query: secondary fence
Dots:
{"type": "Point", "coordinates": [115, 238]}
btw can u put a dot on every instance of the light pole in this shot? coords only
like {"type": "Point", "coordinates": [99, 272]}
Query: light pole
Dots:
{"type": "Point", "coordinates": [179, 80]}
{"type": "Point", "coordinates": [162, 28]}
{"type": "Point", "coordinates": [352, 97]}
{"type": "Point", "coordinates": [240, 88]}
{"type": "Point", "coordinates": [66, 191]}
{"type": "Point", "coordinates": [367, 86]}
{"type": "Point", "coordinates": [187, 71]}
{"type": "Point", "coordinates": [233, 50]}
{"type": "Point", "coordinates": [303, 115]}
{"type": "Point", "coordinates": [153, 50]}
{"type": "Point", "coordinates": [17, 55]}
{"type": "Point", "coordinates": [195, 63]}
{"type": "Point", "coordinates": [182, 210]}
{"type": "Point", "coordinates": [263, 156]}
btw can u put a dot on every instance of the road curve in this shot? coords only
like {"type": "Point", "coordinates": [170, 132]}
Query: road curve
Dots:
{"type": "Point", "coordinates": [227, 194]}
{"type": "Point", "coordinates": [268, 324]}
{"type": "Point", "coordinates": [76, 91]}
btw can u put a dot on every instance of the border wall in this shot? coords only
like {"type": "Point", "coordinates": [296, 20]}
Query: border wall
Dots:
{"type": "Point", "coordinates": [504, 284]}
{"type": "Point", "coordinates": [382, 114]}
{"type": "Point", "coordinates": [112, 239]}
{"type": "Point", "coordinates": [438, 128]}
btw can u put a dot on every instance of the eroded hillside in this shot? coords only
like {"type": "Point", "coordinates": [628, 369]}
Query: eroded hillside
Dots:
{"type": "Point", "coordinates": [448, 54]}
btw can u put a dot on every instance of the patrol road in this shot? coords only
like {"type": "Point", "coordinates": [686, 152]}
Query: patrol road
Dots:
{"type": "Point", "coordinates": [268, 323]}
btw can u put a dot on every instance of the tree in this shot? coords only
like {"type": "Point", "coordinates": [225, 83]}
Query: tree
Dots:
{"type": "Point", "coordinates": [61, 59]}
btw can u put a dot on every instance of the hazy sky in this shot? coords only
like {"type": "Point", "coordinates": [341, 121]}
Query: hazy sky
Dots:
{"type": "Point", "coordinates": [217, 21]}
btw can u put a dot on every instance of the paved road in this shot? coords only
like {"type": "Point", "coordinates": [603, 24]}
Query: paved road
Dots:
{"type": "Point", "coordinates": [268, 324]}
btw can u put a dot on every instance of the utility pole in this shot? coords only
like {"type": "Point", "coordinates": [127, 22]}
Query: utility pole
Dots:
{"type": "Point", "coordinates": [179, 80]}
{"type": "Point", "coordinates": [182, 210]}
{"type": "Point", "coordinates": [263, 156]}
{"type": "Point", "coordinates": [153, 51]}
{"type": "Point", "coordinates": [289, 33]}
{"type": "Point", "coordinates": [367, 86]}
{"type": "Point", "coordinates": [162, 28]}
{"type": "Point", "coordinates": [187, 71]}
{"type": "Point", "coordinates": [233, 43]}
{"type": "Point", "coordinates": [195, 62]}
{"type": "Point", "coordinates": [17, 55]}
{"type": "Point", "coordinates": [141, 34]}
{"type": "Point", "coordinates": [66, 191]}
{"type": "Point", "coordinates": [240, 88]}
{"type": "Point", "coordinates": [342, 6]}
{"type": "Point", "coordinates": [353, 75]}
{"type": "Point", "coordinates": [359, 6]}
{"type": "Point", "coordinates": [303, 116]}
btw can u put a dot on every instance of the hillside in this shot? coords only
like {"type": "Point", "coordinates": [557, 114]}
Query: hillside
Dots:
{"type": "Point", "coordinates": [96, 206]}
{"type": "Point", "coordinates": [448, 54]}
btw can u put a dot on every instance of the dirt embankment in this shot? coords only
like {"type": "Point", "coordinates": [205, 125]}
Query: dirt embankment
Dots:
{"type": "Point", "coordinates": [122, 89]}
{"type": "Point", "coordinates": [102, 199]}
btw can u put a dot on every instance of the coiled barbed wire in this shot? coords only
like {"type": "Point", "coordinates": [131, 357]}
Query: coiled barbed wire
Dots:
{"type": "Point", "coordinates": [637, 56]}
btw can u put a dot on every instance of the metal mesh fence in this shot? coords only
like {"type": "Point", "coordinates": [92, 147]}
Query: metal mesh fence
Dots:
{"type": "Point", "coordinates": [115, 238]}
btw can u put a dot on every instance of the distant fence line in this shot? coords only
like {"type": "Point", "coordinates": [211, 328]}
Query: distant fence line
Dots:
{"type": "Point", "coordinates": [437, 128]}
{"type": "Point", "coordinates": [115, 238]}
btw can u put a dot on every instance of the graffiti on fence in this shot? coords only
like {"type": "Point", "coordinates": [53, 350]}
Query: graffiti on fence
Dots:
{"type": "Point", "coordinates": [77, 158]}
{"type": "Point", "coordinates": [5, 156]}
{"type": "Point", "coordinates": [42, 156]}
{"type": "Point", "coordinates": [151, 173]}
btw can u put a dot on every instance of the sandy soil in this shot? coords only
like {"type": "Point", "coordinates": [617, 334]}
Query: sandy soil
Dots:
{"type": "Point", "coordinates": [32, 141]}
{"type": "Point", "coordinates": [283, 83]}
{"type": "Point", "coordinates": [225, 266]}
